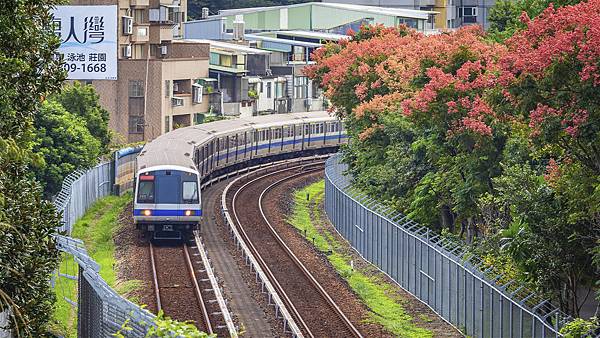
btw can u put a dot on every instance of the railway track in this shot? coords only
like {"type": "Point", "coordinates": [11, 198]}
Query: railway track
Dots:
{"type": "Point", "coordinates": [185, 288]}
{"type": "Point", "coordinates": [314, 311]}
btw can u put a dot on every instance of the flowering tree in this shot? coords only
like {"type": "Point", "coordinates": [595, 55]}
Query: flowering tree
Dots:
{"type": "Point", "coordinates": [500, 139]}
{"type": "Point", "coordinates": [434, 87]}
{"type": "Point", "coordinates": [554, 82]}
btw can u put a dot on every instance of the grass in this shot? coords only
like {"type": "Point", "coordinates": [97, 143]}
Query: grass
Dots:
{"type": "Point", "coordinates": [385, 308]}
{"type": "Point", "coordinates": [96, 228]}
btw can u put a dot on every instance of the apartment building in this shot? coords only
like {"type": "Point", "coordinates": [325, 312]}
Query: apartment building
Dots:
{"type": "Point", "coordinates": [160, 78]}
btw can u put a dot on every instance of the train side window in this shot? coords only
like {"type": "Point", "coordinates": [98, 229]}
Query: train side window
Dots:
{"type": "Point", "coordinates": [145, 192]}
{"type": "Point", "coordinates": [190, 192]}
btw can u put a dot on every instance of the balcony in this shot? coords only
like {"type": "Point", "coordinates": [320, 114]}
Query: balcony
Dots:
{"type": "Point", "coordinates": [182, 104]}
{"type": "Point", "coordinates": [165, 16]}
{"type": "Point", "coordinates": [139, 3]}
{"type": "Point", "coordinates": [141, 33]}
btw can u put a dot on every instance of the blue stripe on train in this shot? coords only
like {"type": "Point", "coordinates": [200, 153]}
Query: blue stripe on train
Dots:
{"type": "Point", "coordinates": [278, 144]}
{"type": "Point", "coordinates": [167, 212]}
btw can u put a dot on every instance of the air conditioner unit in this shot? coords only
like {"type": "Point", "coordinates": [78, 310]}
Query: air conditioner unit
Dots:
{"type": "Point", "coordinates": [127, 51]}
{"type": "Point", "coordinates": [163, 50]}
{"type": "Point", "coordinates": [127, 25]}
{"type": "Point", "coordinates": [197, 92]}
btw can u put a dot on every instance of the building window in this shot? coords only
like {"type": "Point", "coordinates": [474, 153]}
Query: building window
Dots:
{"type": "Point", "coordinates": [469, 14]}
{"type": "Point", "coordinates": [136, 88]}
{"type": "Point", "coordinates": [261, 87]}
{"type": "Point", "coordinates": [214, 59]}
{"type": "Point", "coordinates": [139, 16]}
{"type": "Point", "coordinates": [268, 89]}
{"type": "Point", "coordinates": [167, 124]}
{"type": "Point", "coordinates": [136, 106]}
{"type": "Point", "coordinates": [139, 51]}
{"type": "Point", "coordinates": [300, 87]}
{"type": "Point", "coordinates": [411, 23]}
{"type": "Point", "coordinates": [136, 124]}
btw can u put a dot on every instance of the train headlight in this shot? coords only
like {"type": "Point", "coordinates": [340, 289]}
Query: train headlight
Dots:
{"type": "Point", "coordinates": [147, 212]}
{"type": "Point", "coordinates": [189, 213]}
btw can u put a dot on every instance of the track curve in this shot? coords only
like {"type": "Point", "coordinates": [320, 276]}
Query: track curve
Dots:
{"type": "Point", "coordinates": [313, 309]}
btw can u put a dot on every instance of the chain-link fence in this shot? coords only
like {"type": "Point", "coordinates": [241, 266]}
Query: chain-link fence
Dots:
{"type": "Point", "coordinates": [101, 311]}
{"type": "Point", "coordinates": [79, 190]}
{"type": "Point", "coordinates": [436, 270]}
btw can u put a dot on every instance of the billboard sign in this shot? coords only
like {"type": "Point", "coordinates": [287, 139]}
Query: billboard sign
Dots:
{"type": "Point", "coordinates": [88, 36]}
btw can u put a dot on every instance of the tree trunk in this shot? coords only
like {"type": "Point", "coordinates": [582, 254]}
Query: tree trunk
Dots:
{"type": "Point", "coordinates": [447, 218]}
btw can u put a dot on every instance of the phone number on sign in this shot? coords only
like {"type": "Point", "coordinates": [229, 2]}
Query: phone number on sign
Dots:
{"type": "Point", "coordinates": [85, 67]}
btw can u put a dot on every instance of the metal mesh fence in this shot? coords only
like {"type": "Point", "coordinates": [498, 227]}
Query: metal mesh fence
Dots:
{"type": "Point", "coordinates": [101, 311]}
{"type": "Point", "coordinates": [79, 190]}
{"type": "Point", "coordinates": [436, 270]}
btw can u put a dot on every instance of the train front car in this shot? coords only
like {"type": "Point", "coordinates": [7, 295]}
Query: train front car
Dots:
{"type": "Point", "coordinates": [167, 202]}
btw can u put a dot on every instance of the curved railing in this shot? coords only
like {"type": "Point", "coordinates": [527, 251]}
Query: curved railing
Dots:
{"type": "Point", "coordinates": [436, 270]}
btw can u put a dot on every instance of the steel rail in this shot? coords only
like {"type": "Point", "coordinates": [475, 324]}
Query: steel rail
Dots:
{"type": "Point", "coordinates": [197, 291]}
{"type": "Point", "coordinates": [155, 279]}
{"type": "Point", "coordinates": [191, 274]}
{"type": "Point", "coordinates": [289, 252]}
{"type": "Point", "coordinates": [297, 261]}
{"type": "Point", "coordinates": [279, 289]}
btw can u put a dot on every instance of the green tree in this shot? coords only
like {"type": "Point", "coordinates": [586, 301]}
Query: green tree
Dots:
{"type": "Point", "coordinates": [28, 254]}
{"type": "Point", "coordinates": [82, 100]}
{"type": "Point", "coordinates": [505, 16]}
{"type": "Point", "coordinates": [65, 144]}
{"type": "Point", "coordinates": [28, 72]}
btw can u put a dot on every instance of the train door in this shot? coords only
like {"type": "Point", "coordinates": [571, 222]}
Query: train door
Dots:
{"type": "Point", "coordinates": [270, 136]}
{"type": "Point", "coordinates": [237, 146]}
{"type": "Point", "coordinates": [282, 137]}
{"type": "Point", "coordinates": [302, 131]}
{"type": "Point", "coordinates": [226, 148]}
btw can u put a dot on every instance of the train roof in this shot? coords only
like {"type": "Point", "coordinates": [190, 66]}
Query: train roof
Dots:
{"type": "Point", "coordinates": [177, 147]}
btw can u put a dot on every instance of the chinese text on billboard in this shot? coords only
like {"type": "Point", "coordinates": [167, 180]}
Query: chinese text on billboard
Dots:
{"type": "Point", "coordinates": [88, 36]}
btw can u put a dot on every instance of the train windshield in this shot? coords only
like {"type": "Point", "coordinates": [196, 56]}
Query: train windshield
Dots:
{"type": "Point", "coordinates": [190, 192]}
{"type": "Point", "coordinates": [146, 192]}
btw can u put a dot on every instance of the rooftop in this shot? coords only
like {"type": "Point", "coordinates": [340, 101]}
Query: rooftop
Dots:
{"type": "Point", "coordinates": [398, 12]}
{"type": "Point", "coordinates": [254, 37]}
{"type": "Point", "coordinates": [309, 34]}
{"type": "Point", "coordinates": [231, 47]}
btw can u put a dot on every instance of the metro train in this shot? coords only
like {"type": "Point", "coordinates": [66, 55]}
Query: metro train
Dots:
{"type": "Point", "coordinates": [171, 169]}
